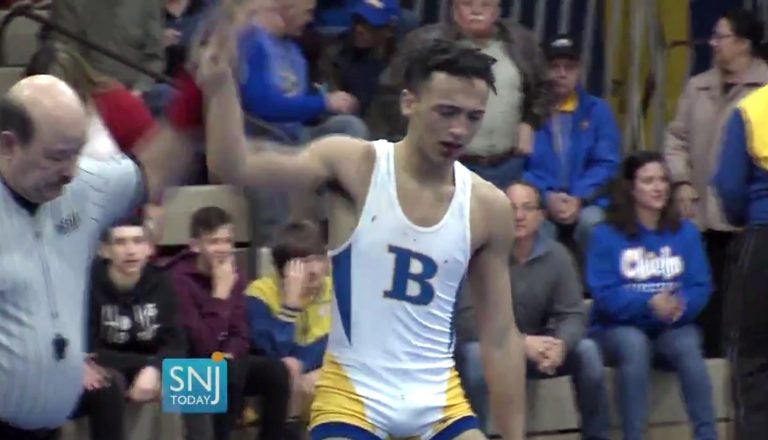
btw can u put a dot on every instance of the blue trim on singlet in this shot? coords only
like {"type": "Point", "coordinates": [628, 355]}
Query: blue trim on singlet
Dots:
{"type": "Point", "coordinates": [458, 427]}
{"type": "Point", "coordinates": [341, 430]}
{"type": "Point", "coordinates": [342, 286]}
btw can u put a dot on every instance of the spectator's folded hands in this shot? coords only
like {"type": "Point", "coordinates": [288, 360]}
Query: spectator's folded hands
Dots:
{"type": "Point", "coordinates": [666, 306]}
{"type": "Point", "coordinates": [556, 205]}
{"type": "Point", "coordinates": [554, 355]}
{"type": "Point", "coordinates": [571, 208]}
{"type": "Point", "coordinates": [340, 102]}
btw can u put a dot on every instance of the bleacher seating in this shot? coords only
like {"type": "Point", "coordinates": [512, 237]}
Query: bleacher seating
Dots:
{"type": "Point", "coordinates": [552, 409]}
{"type": "Point", "coordinates": [180, 202]}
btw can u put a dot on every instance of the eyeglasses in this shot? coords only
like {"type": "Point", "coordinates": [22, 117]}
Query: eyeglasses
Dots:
{"type": "Point", "coordinates": [719, 37]}
{"type": "Point", "coordinates": [526, 208]}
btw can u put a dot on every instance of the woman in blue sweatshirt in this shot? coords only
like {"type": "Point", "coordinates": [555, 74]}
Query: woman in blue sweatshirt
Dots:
{"type": "Point", "coordinates": [649, 279]}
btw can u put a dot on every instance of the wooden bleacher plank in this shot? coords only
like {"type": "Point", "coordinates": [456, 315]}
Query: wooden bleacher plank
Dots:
{"type": "Point", "coordinates": [181, 202]}
{"type": "Point", "coordinates": [552, 407]}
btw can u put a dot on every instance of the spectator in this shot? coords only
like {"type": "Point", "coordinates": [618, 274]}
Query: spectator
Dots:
{"type": "Point", "coordinates": [742, 183]}
{"type": "Point", "coordinates": [212, 308]}
{"type": "Point", "coordinates": [133, 28]}
{"type": "Point", "coordinates": [364, 51]}
{"type": "Point", "coordinates": [133, 317]}
{"type": "Point", "coordinates": [185, 109]}
{"type": "Point", "coordinates": [116, 115]}
{"type": "Point", "coordinates": [687, 200]}
{"type": "Point", "coordinates": [576, 152]}
{"type": "Point", "coordinates": [182, 18]}
{"type": "Point", "coordinates": [335, 16]}
{"type": "Point", "coordinates": [521, 103]}
{"type": "Point", "coordinates": [649, 279]}
{"type": "Point", "coordinates": [275, 86]}
{"type": "Point", "coordinates": [133, 324]}
{"type": "Point", "coordinates": [550, 312]}
{"type": "Point", "coordinates": [692, 142]}
{"type": "Point", "coordinates": [290, 310]}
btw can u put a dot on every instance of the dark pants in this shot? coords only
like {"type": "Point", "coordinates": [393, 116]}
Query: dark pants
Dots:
{"type": "Point", "coordinates": [583, 363]}
{"type": "Point", "coordinates": [746, 323]}
{"type": "Point", "coordinates": [104, 407]}
{"type": "Point", "coordinates": [711, 318]}
{"type": "Point", "coordinates": [9, 432]}
{"type": "Point", "coordinates": [249, 376]}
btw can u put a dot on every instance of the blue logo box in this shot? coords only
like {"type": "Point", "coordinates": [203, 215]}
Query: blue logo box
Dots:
{"type": "Point", "coordinates": [195, 386]}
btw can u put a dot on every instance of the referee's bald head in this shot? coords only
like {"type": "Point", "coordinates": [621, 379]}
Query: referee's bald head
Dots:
{"type": "Point", "coordinates": [47, 99]}
{"type": "Point", "coordinates": [43, 126]}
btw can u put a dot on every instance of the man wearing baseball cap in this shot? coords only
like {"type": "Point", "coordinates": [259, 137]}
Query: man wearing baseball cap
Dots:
{"type": "Point", "coordinates": [576, 152]}
{"type": "Point", "coordinates": [377, 13]}
{"type": "Point", "coordinates": [365, 50]}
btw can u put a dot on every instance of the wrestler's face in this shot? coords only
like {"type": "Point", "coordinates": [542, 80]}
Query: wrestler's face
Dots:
{"type": "Point", "coordinates": [444, 114]}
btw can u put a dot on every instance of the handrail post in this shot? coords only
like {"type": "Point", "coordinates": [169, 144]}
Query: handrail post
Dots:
{"type": "Point", "coordinates": [632, 114]}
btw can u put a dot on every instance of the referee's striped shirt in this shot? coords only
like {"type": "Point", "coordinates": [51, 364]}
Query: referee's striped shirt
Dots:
{"type": "Point", "coordinates": [44, 262]}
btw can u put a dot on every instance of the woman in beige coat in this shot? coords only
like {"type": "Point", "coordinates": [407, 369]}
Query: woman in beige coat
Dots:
{"type": "Point", "coordinates": [692, 142]}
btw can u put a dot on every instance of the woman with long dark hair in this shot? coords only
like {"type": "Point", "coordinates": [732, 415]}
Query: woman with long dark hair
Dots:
{"type": "Point", "coordinates": [649, 279]}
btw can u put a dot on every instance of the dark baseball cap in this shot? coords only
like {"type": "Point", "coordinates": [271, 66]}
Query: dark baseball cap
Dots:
{"type": "Point", "coordinates": [562, 46]}
{"type": "Point", "coordinates": [377, 12]}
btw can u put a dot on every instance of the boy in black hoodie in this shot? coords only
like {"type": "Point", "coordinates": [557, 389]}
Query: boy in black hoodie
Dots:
{"type": "Point", "coordinates": [133, 318]}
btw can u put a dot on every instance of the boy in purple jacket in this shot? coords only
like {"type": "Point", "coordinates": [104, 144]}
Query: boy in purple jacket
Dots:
{"type": "Point", "coordinates": [212, 307]}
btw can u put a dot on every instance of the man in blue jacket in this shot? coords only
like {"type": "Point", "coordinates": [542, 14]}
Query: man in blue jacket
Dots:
{"type": "Point", "coordinates": [275, 86]}
{"type": "Point", "coordinates": [576, 152]}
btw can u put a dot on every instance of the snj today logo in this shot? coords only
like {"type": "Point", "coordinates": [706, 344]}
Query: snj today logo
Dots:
{"type": "Point", "coordinates": [195, 385]}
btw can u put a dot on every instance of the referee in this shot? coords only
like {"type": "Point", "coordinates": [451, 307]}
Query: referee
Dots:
{"type": "Point", "coordinates": [54, 206]}
{"type": "Point", "coordinates": [742, 183]}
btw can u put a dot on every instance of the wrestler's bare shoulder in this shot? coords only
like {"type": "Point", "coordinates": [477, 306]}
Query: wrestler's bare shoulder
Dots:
{"type": "Point", "coordinates": [490, 212]}
{"type": "Point", "coordinates": [339, 147]}
{"type": "Point", "coordinates": [351, 161]}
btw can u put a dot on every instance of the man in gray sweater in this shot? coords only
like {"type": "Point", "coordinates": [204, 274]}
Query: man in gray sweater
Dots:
{"type": "Point", "coordinates": [550, 312]}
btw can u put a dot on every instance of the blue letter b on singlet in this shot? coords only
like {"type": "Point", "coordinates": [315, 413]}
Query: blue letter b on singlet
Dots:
{"type": "Point", "coordinates": [406, 262]}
